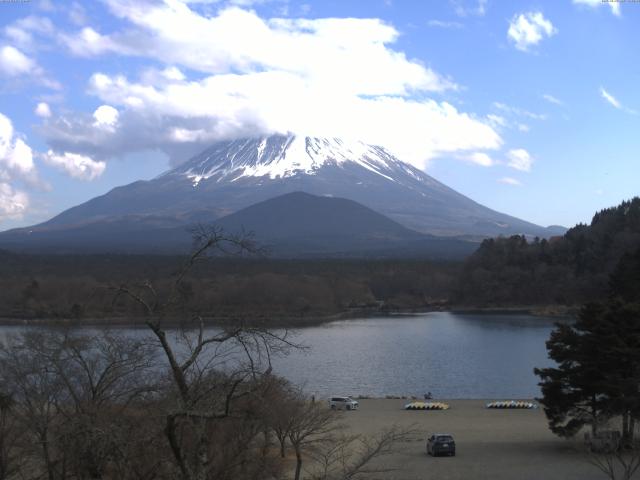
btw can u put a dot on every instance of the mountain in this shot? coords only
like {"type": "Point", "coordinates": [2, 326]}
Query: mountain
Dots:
{"type": "Point", "coordinates": [293, 225]}
{"type": "Point", "coordinates": [232, 175]}
{"type": "Point", "coordinates": [300, 224]}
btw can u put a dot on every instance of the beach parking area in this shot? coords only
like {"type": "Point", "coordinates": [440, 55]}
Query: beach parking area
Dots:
{"type": "Point", "coordinates": [491, 443]}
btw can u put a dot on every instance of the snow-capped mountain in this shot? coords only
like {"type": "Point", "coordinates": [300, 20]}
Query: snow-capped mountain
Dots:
{"type": "Point", "coordinates": [232, 175]}
{"type": "Point", "coordinates": [279, 157]}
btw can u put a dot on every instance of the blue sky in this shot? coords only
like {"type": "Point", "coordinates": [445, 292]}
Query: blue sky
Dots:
{"type": "Point", "coordinates": [531, 108]}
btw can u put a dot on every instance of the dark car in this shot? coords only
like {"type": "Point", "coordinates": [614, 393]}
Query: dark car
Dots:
{"type": "Point", "coordinates": [441, 444]}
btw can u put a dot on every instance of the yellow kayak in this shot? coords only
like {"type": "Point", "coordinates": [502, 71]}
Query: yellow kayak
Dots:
{"type": "Point", "coordinates": [512, 404]}
{"type": "Point", "coordinates": [426, 406]}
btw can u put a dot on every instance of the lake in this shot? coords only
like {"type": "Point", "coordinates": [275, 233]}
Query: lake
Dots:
{"type": "Point", "coordinates": [452, 355]}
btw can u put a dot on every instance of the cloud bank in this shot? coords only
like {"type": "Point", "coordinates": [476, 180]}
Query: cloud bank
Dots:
{"type": "Point", "coordinates": [236, 74]}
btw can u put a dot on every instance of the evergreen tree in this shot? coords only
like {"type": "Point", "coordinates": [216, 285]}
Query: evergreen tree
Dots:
{"type": "Point", "coordinates": [574, 393]}
{"type": "Point", "coordinates": [598, 371]}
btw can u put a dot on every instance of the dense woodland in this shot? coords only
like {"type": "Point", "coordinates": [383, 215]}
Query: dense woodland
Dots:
{"type": "Point", "coordinates": [81, 287]}
{"type": "Point", "coordinates": [568, 270]}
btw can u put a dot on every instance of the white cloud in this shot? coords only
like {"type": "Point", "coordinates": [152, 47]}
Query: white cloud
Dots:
{"type": "Point", "coordinates": [16, 165]}
{"type": "Point", "coordinates": [345, 53]}
{"type": "Point", "coordinates": [497, 120]}
{"type": "Point", "coordinates": [613, 101]}
{"type": "Point", "coordinates": [510, 181]}
{"type": "Point", "coordinates": [444, 24]}
{"type": "Point", "coordinates": [88, 43]}
{"type": "Point", "coordinates": [105, 117]}
{"type": "Point", "coordinates": [77, 166]}
{"type": "Point", "coordinates": [77, 14]}
{"type": "Point", "coordinates": [42, 110]}
{"type": "Point", "coordinates": [518, 111]}
{"type": "Point", "coordinates": [482, 159]}
{"type": "Point", "coordinates": [614, 5]}
{"type": "Point", "coordinates": [13, 203]}
{"type": "Point", "coordinates": [16, 157]}
{"type": "Point", "coordinates": [519, 159]}
{"type": "Point", "coordinates": [14, 63]}
{"type": "Point", "coordinates": [552, 99]}
{"type": "Point", "coordinates": [465, 8]}
{"type": "Point", "coordinates": [21, 31]}
{"type": "Point", "coordinates": [610, 98]}
{"type": "Point", "coordinates": [528, 29]}
{"type": "Point", "coordinates": [333, 77]}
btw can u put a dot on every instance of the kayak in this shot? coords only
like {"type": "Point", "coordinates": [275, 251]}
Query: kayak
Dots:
{"type": "Point", "coordinates": [426, 406]}
{"type": "Point", "coordinates": [512, 404]}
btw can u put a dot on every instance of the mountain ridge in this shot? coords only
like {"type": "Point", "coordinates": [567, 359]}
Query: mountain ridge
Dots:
{"type": "Point", "coordinates": [294, 225]}
{"type": "Point", "coordinates": [232, 175]}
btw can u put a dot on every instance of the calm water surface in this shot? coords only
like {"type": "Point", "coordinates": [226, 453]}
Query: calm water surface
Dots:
{"type": "Point", "coordinates": [450, 355]}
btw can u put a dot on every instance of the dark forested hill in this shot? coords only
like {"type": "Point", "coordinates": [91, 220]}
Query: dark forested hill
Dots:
{"type": "Point", "coordinates": [568, 270]}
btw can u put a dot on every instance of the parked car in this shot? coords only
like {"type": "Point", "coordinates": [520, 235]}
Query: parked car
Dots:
{"type": "Point", "coordinates": [343, 403]}
{"type": "Point", "coordinates": [441, 444]}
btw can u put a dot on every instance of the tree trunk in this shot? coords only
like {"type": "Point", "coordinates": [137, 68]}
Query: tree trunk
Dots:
{"type": "Point", "coordinates": [172, 437]}
{"type": "Point", "coordinates": [282, 445]}
{"type": "Point", "coordinates": [625, 428]}
{"type": "Point", "coordinates": [632, 428]}
{"type": "Point", "coordinates": [594, 416]}
{"type": "Point", "coordinates": [298, 463]}
{"type": "Point", "coordinates": [47, 456]}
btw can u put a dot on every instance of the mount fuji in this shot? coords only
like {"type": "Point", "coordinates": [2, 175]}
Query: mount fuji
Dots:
{"type": "Point", "coordinates": [232, 175]}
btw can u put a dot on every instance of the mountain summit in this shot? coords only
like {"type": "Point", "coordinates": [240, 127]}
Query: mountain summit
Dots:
{"type": "Point", "coordinates": [231, 175]}
{"type": "Point", "coordinates": [281, 157]}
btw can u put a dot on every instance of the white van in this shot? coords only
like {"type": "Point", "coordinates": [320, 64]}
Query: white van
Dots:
{"type": "Point", "coordinates": [342, 403]}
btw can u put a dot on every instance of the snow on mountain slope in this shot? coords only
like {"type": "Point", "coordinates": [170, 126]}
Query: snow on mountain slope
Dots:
{"type": "Point", "coordinates": [281, 157]}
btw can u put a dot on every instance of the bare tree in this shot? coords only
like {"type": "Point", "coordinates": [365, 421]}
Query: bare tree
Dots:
{"type": "Point", "coordinates": [351, 457]}
{"type": "Point", "coordinates": [613, 456]}
{"type": "Point", "coordinates": [310, 426]}
{"type": "Point", "coordinates": [211, 372]}
{"type": "Point", "coordinates": [10, 456]}
{"type": "Point", "coordinates": [71, 392]}
{"type": "Point", "coordinates": [621, 464]}
{"type": "Point", "coordinates": [36, 392]}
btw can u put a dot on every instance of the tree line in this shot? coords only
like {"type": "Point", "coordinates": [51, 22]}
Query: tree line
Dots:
{"type": "Point", "coordinates": [34, 287]}
{"type": "Point", "coordinates": [567, 270]}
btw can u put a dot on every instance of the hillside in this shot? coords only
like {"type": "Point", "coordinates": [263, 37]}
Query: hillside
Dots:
{"type": "Point", "coordinates": [569, 270]}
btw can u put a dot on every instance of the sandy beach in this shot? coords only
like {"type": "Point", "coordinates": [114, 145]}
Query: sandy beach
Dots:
{"type": "Point", "coordinates": [491, 444]}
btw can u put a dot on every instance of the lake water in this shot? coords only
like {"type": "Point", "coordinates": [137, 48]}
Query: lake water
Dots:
{"type": "Point", "coordinates": [450, 355]}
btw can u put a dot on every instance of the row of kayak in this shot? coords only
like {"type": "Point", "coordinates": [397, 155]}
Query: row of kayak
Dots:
{"type": "Point", "coordinates": [426, 406]}
{"type": "Point", "coordinates": [445, 406]}
{"type": "Point", "coordinates": [512, 404]}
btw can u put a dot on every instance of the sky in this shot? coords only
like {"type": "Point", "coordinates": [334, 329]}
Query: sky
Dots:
{"type": "Point", "coordinates": [531, 108]}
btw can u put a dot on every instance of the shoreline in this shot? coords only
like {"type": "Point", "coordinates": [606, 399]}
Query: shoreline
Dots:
{"type": "Point", "coordinates": [548, 311]}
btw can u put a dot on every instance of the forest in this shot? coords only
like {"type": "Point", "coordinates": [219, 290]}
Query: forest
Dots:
{"type": "Point", "coordinates": [505, 272]}
{"type": "Point", "coordinates": [262, 290]}
{"type": "Point", "coordinates": [567, 270]}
